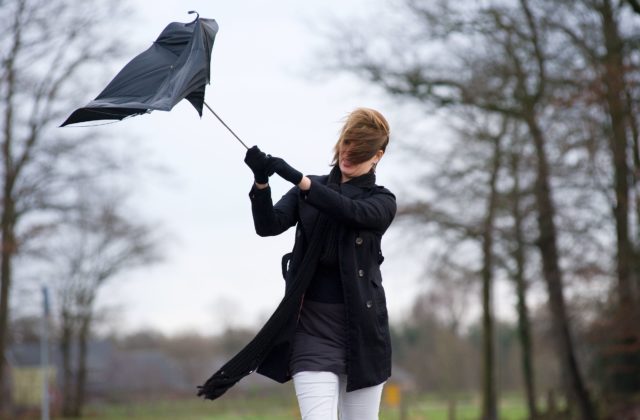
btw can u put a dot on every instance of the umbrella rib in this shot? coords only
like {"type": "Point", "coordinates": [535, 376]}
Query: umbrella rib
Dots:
{"type": "Point", "coordinates": [227, 127]}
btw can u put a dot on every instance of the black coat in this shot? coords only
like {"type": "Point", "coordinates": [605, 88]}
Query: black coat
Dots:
{"type": "Point", "coordinates": [363, 212]}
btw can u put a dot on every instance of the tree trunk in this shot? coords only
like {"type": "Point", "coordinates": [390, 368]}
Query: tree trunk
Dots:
{"type": "Point", "coordinates": [67, 371]}
{"type": "Point", "coordinates": [489, 387]}
{"type": "Point", "coordinates": [632, 111]}
{"type": "Point", "coordinates": [622, 355]}
{"type": "Point", "coordinates": [615, 93]}
{"type": "Point", "coordinates": [7, 252]}
{"type": "Point", "coordinates": [8, 242]}
{"type": "Point", "coordinates": [635, 135]}
{"type": "Point", "coordinates": [547, 243]}
{"type": "Point", "coordinates": [451, 409]}
{"type": "Point", "coordinates": [524, 325]}
{"type": "Point", "coordinates": [81, 376]}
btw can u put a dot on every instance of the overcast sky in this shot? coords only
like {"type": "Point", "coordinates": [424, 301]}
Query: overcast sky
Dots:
{"type": "Point", "coordinates": [217, 271]}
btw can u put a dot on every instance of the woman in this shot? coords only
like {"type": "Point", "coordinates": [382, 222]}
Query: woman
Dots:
{"type": "Point", "coordinates": [337, 349]}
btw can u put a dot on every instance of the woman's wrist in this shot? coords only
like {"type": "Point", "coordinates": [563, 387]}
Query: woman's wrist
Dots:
{"type": "Point", "coordinates": [304, 184]}
{"type": "Point", "coordinates": [261, 186]}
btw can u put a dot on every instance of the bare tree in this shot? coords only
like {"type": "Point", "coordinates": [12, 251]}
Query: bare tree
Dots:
{"type": "Point", "coordinates": [606, 84]}
{"type": "Point", "coordinates": [504, 68]}
{"type": "Point", "coordinates": [482, 157]}
{"type": "Point", "coordinates": [519, 253]}
{"type": "Point", "coordinates": [490, 394]}
{"type": "Point", "coordinates": [44, 44]}
{"type": "Point", "coordinates": [602, 80]}
{"type": "Point", "coordinates": [531, 98]}
{"type": "Point", "coordinates": [99, 242]}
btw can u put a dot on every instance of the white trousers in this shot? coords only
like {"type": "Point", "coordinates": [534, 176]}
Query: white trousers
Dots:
{"type": "Point", "coordinates": [323, 396]}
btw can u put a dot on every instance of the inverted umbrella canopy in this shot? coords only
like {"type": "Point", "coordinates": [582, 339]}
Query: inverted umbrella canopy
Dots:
{"type": "Point", "coordinates": [175, 67]}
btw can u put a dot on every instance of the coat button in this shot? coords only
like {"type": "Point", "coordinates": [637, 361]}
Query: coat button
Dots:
{"type": "Point", "coordinates": [361, 273]}
{"type": "Point", "coordinates": [298, 233]}
{"type": "Point", "coordinates": [369, 304]}
{"type": "Point", "coordinates": [359, 241]}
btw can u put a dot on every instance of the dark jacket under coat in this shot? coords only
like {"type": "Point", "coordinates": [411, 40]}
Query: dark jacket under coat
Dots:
{"type": "Point", "coordinates": [363, 212]}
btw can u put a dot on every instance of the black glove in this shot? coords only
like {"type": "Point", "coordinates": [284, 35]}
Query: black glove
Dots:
{"type": "Point", "coordinates": [257, 161]}
{"type": "Point", "coordinates": [282, 168]}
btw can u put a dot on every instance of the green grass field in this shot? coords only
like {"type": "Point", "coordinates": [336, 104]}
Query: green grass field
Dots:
{"type": "Point", "coordinates": [284, 408]}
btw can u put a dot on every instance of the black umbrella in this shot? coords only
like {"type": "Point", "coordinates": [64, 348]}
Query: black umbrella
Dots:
{"type": "Point", "coordinates": [175, 67]}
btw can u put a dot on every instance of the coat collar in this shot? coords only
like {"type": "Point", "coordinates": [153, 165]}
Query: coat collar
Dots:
{"type": "Point", "coordinates": [354, 186]}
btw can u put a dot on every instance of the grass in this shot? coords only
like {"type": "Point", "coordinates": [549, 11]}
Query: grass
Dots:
{"type": "Point", "coordinates": [255, 407]}
{"type": "Point", "coordinates": [466, 408]}
{"type": "Point", "coordinates": [272, 408]}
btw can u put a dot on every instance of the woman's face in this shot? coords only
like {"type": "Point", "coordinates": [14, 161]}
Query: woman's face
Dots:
{"type": "Point", "coordinates": [351, 169]}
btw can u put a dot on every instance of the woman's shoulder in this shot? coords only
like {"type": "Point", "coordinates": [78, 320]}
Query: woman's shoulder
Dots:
{"type": "Point", "coordinates": [382, 189]}
{"type": "Point", "coordinates": [379, 189]}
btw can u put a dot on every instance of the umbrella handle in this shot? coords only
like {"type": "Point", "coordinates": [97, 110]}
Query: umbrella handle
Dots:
{"type": "Point", "coordinates": [226, 126]}
{"type": "Point", "coordinates": [197, 17]}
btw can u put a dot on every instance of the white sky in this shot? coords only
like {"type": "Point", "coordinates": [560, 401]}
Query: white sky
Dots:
{"type": "Point", "coordinates": [217, 271]}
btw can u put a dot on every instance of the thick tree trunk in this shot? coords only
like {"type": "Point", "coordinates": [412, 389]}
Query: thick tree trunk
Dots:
{"type": "Point", "coordinates": [524, 325]}
{"type": "Point", "coordinates": [489, 388]}
{"type": "Point", "coordinates": [547, 243]}
{"type": "Point", "coordinates": [615, 97]}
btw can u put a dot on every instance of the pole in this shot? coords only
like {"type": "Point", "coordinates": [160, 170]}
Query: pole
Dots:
{"type": "Point", "coordinates": [226, 126]}
{"type": "Point", "coordinates": [44, 354]}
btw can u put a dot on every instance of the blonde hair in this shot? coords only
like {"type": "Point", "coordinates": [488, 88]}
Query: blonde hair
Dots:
{"type": "Point", "coordinates": [365, 131]}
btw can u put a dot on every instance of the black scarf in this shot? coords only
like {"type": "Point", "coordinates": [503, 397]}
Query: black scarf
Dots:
{"type": "Point", "coordinates": [250, 357]}
{"type": "Point", "coordinates": [329, 254]}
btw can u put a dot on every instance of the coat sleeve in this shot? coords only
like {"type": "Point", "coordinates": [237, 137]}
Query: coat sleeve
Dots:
{"type": "Point", "coordinates": [269, 219]}
{"type": "Point", "coordinates": [375, 212]}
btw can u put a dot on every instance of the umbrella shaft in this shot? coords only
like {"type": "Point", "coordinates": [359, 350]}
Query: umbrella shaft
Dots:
{"type": "Point", "coordinates": [227, 127]}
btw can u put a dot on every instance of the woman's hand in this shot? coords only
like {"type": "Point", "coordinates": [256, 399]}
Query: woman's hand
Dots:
{"type": "Point", "coordinates": [257, 161]}
{"type": "Point", "coordinates": [282, 168]}
{"type": "Point", "coordinates": [287, 172]}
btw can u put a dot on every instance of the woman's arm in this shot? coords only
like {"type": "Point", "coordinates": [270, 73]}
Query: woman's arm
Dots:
{"type": "Point", "coordinates": [374, 212]}
{"type": "Point", "coordinates": [270, 220]}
